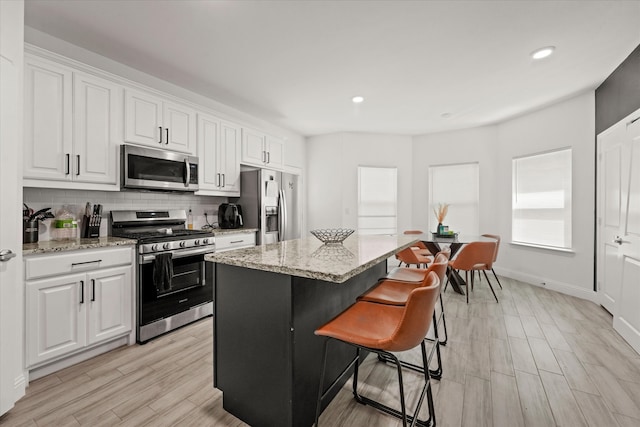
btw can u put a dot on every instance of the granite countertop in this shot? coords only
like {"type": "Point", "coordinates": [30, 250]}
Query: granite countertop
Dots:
{"type": "Point", "coordinates": [310, 258]}
{"type": "Point", "coordinates": [72, 245]}
{"type": "Point", "coordinates": [221, 231]}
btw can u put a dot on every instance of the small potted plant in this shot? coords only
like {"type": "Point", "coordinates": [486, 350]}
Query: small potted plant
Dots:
{"type": "Point", "coordinates": [441, 213]}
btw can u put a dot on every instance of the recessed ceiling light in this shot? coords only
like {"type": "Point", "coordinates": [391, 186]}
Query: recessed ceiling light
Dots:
{"type": "Point", "coordinates": [445, 115]}
{"type": "Point", "coordinates": [357, 99]}
{"type": "Point", "coordinates": [543, 52]}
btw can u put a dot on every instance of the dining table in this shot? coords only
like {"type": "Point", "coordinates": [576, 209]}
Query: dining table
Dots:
{"type": "Point", "coordinates": [435, 242]}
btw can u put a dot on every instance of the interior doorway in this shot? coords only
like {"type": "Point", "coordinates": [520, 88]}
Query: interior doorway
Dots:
{"type": "Point", "coordinates": [618, 226]}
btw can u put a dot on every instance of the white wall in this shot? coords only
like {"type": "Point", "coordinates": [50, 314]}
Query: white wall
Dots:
{"type": "Point", "coordinates": [567, 124]}
{"type": "Point", "coordinates": [464, 146]}
{"type": "Point", "coordinates": [332, 171]}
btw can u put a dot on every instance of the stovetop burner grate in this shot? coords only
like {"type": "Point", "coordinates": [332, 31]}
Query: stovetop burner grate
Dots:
{"type": "Point", "coordinates": [162, 235]}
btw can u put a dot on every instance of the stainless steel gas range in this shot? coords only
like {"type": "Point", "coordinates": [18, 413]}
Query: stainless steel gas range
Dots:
{"type": "Point", "coordinates": [174, 283]}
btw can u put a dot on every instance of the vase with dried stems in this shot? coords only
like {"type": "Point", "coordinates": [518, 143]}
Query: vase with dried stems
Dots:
{"type": "Point", "coordinates": [441, 213]}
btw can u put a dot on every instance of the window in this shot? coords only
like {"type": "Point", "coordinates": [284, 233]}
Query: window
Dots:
{"type": "Point", "coordinates": [377, 200]}
{"type": "Point", "coordinates": [541, 199]}
{"type": "Point", "coordinates": [458, 186]}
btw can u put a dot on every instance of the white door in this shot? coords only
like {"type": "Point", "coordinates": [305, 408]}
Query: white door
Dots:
{"type": "Point", "coordinates": [109, 302]}
{"type": "Point", "coordinates": [97, 104]}
{"type": "Point", "coordinates": [610, 152]}
{"type": "Point", "coordinates": [12, 383]}
{"type": "Point", "coordinates": [56, 316]}
{"type": "Point", "coordinates": [627, 314]}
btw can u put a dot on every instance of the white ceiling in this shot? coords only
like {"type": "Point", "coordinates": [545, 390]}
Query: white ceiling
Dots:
{"type": "Point", "coordinates": [298, 63]}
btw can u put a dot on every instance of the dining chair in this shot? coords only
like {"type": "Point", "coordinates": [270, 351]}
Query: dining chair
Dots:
{"type": "Point", "coordinates": [383, 329]}
{"type": "Point", "coordinates": [495, 255]}
{"type": "Point", "coordinates": [474, 256]}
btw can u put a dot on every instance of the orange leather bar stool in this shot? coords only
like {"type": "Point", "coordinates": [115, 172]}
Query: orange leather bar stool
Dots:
{"type": "Point", "coordinates": [419, 247]}
{"type": "Point", "coordinates": [381, 329]}
{"type": "Point", "coordinates": [413, 275]}
{"type": "Point", "coordinates": [495, 254]}
{"type": "Point", "coordinates": [474, 256]}
{"type": "Point", "coordinates": [410, 257]}
{"type": "Point", "coordinates": [394, 292]}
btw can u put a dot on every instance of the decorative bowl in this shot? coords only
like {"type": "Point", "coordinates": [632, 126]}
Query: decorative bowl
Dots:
{"type": "Point", "coordinates": [332, 235]}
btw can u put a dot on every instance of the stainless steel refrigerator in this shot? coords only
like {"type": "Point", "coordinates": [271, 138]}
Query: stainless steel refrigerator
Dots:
{"type": "Point", "coordinates": [270, 201]}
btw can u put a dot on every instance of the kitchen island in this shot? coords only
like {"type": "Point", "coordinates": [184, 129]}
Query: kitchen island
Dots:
{"type": "Point", "coordinates": [268, 300]}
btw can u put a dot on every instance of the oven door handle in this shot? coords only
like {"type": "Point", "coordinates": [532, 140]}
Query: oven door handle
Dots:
{"type": "Point", "coordinates": [146, 259]}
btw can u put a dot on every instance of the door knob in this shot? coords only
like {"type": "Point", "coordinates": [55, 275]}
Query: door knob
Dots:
{"type": "Point", "coordinates": [6, 255]}
{"type": "Point", "coordinates": [618, 240]}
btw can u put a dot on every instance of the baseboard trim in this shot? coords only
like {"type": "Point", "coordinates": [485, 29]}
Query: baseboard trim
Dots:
{"type": "Point", "coordinates": [41, 371]}
{"type": "Point", "coordinates": [19, 386]}
{"type": "Point", "coordinates": [543, 282]}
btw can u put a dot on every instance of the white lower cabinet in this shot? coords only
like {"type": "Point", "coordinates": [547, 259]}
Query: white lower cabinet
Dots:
{"type": "Point", "coordinates": [68, 313]}
{"type": "Point", "coordinates": [230, 241]}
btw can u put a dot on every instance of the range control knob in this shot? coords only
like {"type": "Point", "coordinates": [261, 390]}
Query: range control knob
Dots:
{"type": "Point", "coordinates": [166, 246]}
{"type": "Point", "coordinates": [183, 244]}
{"type": "Point", "coordinates": [205, 242]}
{"type": "Point", "coordinates": [154, 248]}
{"type": "Point", "coordinates": [197, 242]}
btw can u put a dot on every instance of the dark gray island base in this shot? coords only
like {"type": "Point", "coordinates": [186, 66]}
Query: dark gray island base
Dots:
{"type": "Point", "coordinates": [266, 356]}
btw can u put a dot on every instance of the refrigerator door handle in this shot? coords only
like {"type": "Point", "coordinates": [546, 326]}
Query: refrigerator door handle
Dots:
{"type": "Point", "coordinates": [283, 215]}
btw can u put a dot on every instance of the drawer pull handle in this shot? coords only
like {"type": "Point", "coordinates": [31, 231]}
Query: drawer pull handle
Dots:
{"type": "Point", "coordinates": [236, 241]}
{"type": "Point", "coordinates": [73, 264]}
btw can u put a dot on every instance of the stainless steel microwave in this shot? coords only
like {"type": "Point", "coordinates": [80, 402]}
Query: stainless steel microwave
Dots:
{"type": "Point", "coordinates": [146, 168]}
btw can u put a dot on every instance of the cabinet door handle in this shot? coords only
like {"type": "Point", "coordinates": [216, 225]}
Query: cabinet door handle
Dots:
{"type": "Point", "coordinates": [264, 157]}
{"type": "Point", "coordinates": [93, 289]}
{"type": "Point", "coordinates": [73, 264]}
{"type": "Point", "coordinates": [268, 157]}
{"type": "Point", "coordinates": [218, 181]}
{"type": "Point", "coordinates": [160, 142]}
{"type": "Point", "coordinates": [167, 141]}
{"type": "Point", "coordinates": [224, 182]}
{"type": "Point", "coordinates": [68, 166]}
{"type": "Point", "coordinates": [78, 170]}
{"type": "Point", "coordinates": [81, 291]}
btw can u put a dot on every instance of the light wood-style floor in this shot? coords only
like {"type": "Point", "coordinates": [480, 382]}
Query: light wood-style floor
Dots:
{"type": "Point", "coordinates": [538, 358]}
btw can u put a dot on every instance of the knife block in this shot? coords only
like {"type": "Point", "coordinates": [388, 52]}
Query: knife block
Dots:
{"type": "Point", "coordinates": [91, 226]}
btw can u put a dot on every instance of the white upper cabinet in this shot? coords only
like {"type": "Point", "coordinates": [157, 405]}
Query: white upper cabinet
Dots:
{"type": "Point", "coordinates": [48, 123]}
{"type": "Point", "coordinates": [259, 149]}
{"type": "Point", "coordinates": [275, 152]}
{"type": "Point", "coordinates": [219, 155]}
{"type": "Point", "coordinates": [157, 122]}
{"type": "Point", "coordinates": [95, 130]}
{"type": "Point", "coordinates": [71, 125]}
{"type": "Point", "coordinates": [230, 153]}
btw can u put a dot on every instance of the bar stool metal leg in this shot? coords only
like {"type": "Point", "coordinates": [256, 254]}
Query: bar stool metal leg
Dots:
{"type": "Point", "coordinates": [402, 414]}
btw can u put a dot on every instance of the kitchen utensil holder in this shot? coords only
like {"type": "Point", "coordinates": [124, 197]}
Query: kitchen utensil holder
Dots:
{"type": "Point", "coordinates": [30, 231]}
{"type": "Point", "coordinates": [91, 226]}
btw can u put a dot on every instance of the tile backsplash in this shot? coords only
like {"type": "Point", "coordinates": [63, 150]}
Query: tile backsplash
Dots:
{"type": "Point", "coordinates": [75, 201]}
